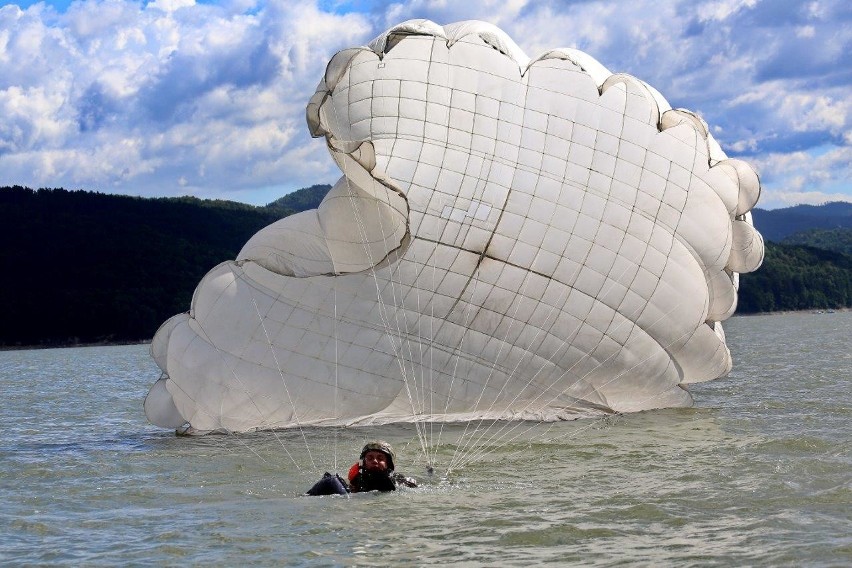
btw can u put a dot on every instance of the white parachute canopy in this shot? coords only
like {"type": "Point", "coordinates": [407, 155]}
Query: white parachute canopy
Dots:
{"type": "Point", "coordinates": [511, 239]}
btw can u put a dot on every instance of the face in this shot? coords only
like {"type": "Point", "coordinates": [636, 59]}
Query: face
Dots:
{"type": "Point", "coordinates": [375, 461]}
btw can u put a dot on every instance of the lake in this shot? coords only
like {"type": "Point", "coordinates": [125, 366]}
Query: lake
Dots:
{"type": "Point", "coordinates": [758, 473]}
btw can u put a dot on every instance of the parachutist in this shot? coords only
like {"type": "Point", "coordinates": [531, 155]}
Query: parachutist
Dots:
{"type": "Point", "coordinates": [374, 471]}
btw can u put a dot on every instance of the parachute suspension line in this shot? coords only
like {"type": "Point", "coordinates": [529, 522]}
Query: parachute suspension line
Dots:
{"type": "Point", "coordinates": [462, 444]}
{"type": "Point", "coordinates": [501, 438]}
{"type": "Point", "coordinates": [284, 383]}
{"type": "Point", "coordinates": [404, 340]}
{"type": "Point", "coordinates": [336, 381]}
{"type": "Point", "coordinates": [430, 457]}
{"type": "Point", "coordinates": [420, 389]}
{"type": "Point", "coordinates": [483, 182]}
{"type": "Point", "coordinates": [574, 434]}
{"type": "Point", "coordinates": [383, 311]}
{"type": "Point", "coordinates": [400, 304]}
{"type": "Point", "coordinates": [382, 307]}
{"type": "Point", "coordinates": [596, 389]}
{"type": "Point", "coordinates": [657, 395]}
{"type": "Point", "coordinates": [457, 354]}
{"type": "Point", "coordinates": [460, 451]}
{"type": "Point", "coordinates": [565, 343]}
{"type": "Point", "coordinates": [433, 70]}
{"type": "Point", "coordinates": [218, 415]}
{"type": "Point", "coordinates": [472, 444]}
{"type": "Point", "coordinates": [231, 433]}
{"type": "Point", "coordinates": [431, 461]}
{"type": "Point", "coordinates": [612, 282]}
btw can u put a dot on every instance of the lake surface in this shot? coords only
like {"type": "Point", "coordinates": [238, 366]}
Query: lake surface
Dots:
{"type": "Point", "coordinates": [758, 473]}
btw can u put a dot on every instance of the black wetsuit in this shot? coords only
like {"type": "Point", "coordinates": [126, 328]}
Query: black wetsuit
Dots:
{"type": "Point", "coordinates": [363, 481]}
{"type": "Point", "coordinates": [329, 485]}
{"type": "Point", "coordinates": [368, 481]}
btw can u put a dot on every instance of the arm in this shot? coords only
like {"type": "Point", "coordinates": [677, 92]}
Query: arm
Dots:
{"type": "Point", "coordinates": [400, 479]}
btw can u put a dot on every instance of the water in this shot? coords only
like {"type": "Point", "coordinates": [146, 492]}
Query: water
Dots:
{"type": "Point", "coordinates": [759, 473]}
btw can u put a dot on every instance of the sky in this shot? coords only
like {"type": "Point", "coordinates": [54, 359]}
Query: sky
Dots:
{"type": "Point", "coordinates": [177, 97]}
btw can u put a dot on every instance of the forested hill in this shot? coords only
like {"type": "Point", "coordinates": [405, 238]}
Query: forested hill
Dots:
{"type": "Point", "coordinates": [777, 224]}
{"type": "Point", "coordinates": [83, 267]}
{"type": "Point", "coordinates": [88, 267]}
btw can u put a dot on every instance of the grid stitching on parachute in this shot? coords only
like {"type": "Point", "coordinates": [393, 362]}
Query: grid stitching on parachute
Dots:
{"type": "Point", "coordinates": [587, 217]}
{"type": "Point", "coordinates": [598, 226]}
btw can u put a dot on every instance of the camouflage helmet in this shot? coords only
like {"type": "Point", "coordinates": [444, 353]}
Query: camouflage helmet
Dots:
{"type": "Point", "coordinates": [380, 446]}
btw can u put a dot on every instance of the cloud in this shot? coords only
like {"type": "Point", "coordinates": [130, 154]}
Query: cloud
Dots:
{"type": "Point", "coordinates": [209, 98]}
{"type": "Point", "coordinates": [200, 98]}
{"type": "Point", "coordinates": [815, 176]}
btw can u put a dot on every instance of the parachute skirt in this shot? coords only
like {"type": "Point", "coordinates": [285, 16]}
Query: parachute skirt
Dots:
{"type": "Point", "coordinates": [511, 239]}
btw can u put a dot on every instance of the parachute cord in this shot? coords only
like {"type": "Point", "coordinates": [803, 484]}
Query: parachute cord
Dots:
{"type": "Point", "coordinates": [400, 358]}
{"type": "Point", "coordinates": [420, 390]}
{"type": "Point", "coordinates": [565, 343]}
{"type": "Point", "coordinates": [382, 308]}
{"type": "Point", "coordinates": [431, 462]}
{"type": "Point", "coordinates": [500, 438]}
{"type": "Point", "coordinates": [457, 353]}
{"type": "Point", "coordinates": [462, 445]}
{"type": "Point", "coordinates": [471, 444]}
{"type": "Point", "coordinates": [588, 354]}
{"type": "Point", "coordinates": [380, 300]}
{"type": "Point", "coordinates": [422, 397]}
{"type": "Point", "coordinates": [336, 382]}
{"type": "Point", "coordinates": [283, 382]}
{"type": "Point", "coordinates": [404, 341]}
{"type": "Point", "coordinates": [430, 457]}
{"type": "Point", "coordinates": [385, 316]}
{"type": "Point", "coordinates": [596, 389]}
{"type": "Point", "coordinates": [591, 423]}
{"type": "Point", "coordinates": [568, 287]}
{"type": "Point", "coordinates": [245, 390]}
{"type": "Point", "coordinates": [231, 433]}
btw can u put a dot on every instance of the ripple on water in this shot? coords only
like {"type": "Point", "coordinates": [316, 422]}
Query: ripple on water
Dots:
{"type": "Point", "coordinates": [757, 474]}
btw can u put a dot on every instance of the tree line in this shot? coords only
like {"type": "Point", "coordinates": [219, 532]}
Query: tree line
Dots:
{"type": "Point", "coordinates": [797, 277]}
{"type": "Point", "coordinates": [87, 267]}
{"type": "Point", "coordinates": [84, 267]}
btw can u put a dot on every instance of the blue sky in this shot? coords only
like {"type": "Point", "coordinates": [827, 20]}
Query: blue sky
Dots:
{"type": "Point", "coordinates": [177, 97]}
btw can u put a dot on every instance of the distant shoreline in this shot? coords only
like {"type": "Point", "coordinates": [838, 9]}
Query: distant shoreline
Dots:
{"type": "Point", "coordinates": [813, 311]}
{"type": "Point", "coordinates": [72, 345]}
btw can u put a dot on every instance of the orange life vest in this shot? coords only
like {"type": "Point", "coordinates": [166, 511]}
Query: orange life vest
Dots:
{"type": "Point", "coordinates": [353, 471]}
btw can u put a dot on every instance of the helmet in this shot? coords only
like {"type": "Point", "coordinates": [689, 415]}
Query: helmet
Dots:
{"type": "Point", "coordinates": [379, 446]}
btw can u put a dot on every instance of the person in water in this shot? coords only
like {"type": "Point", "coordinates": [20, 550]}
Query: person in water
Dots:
{"type": "Point", "coordinates": [374, 471]}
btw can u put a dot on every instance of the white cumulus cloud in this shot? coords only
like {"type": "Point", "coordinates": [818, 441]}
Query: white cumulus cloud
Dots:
{"type": "Point", "coordinates": [175, 96]}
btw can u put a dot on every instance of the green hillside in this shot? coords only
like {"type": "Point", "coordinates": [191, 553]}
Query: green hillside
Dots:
{"type": "Point", "coordinates": [89, 267]}
{"type": "Point", "coordinates": [300, 200]}
{"type": "Point", "coordinates": [837, 240]}
{"type": "Point", "coordinates": [777, 224]}
{"type": "Point", "coordinates": [797, 277]}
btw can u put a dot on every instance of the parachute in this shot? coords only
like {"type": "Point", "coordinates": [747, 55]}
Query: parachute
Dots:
{"type": "Point", "coordinates": [511, 239]}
